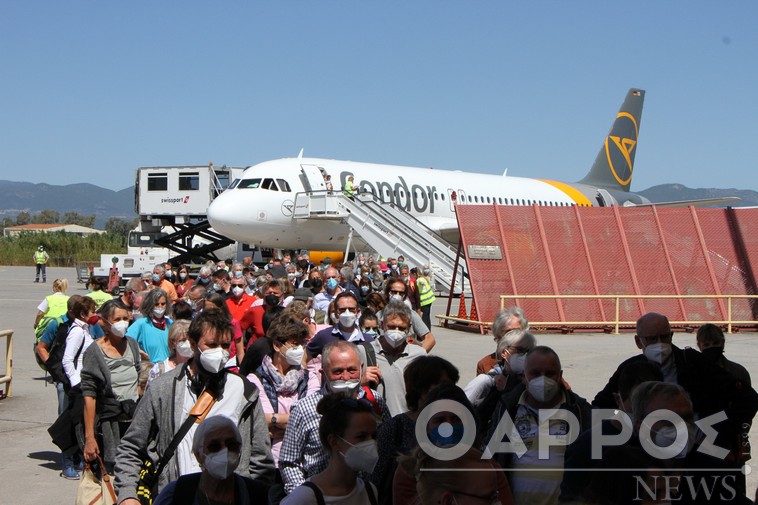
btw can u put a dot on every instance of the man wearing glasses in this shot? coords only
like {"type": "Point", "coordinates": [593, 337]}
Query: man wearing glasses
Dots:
{"type": "Point", "coordinates": [393, 354]}
{"type": "Point", "coordinates": [344, 316]}
{"type": "Point", "coordinates": [654, 338]}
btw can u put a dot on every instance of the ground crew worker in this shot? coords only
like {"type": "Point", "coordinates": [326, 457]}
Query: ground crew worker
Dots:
{"type": "Point", "coordinates": [349, 189]}
{"type": "Point", "coordinates": [425, 294]}
{"type": "Point", "coordinates": [40, 259]}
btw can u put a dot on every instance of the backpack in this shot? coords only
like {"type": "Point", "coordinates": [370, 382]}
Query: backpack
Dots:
{"type": "Point", "coordinates": [320, 496]}
{"type": "Point", "coordinates": [54, 362]}
{"type": "Point", "coordinates": [38, 332]}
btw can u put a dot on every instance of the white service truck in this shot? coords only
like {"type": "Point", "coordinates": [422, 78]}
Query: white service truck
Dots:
{"type": "Point", "coordinates": [172, 203]}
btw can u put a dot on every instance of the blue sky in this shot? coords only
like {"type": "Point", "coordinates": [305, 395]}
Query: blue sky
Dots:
{"type": "Point", "coordinates": [92, 90]}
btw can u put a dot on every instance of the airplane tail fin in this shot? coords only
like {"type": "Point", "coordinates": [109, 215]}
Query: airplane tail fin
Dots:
{"type": "Point", "coordinates": [614, 165]}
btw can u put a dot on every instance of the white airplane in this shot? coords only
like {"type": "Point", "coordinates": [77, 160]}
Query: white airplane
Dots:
{"type": "Point", "coordinates": [258, 208]}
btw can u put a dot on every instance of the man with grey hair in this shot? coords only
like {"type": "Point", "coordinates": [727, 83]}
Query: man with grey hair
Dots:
{"type": "Point", "coordinates": [510, 318]}
{"type": "Point", "coordinates": [159, 281]}
{"type": "Point", "coordinates": [391, 353]}
{"type": "Point", "coordinates": [654, 338]}
{"type": "Point", "coordinates": [134, 286]}
{"type": "Point", "coordinates": [332, 287]}
{"type": "Point", "coordinates": [538, 471]}
{"type": "Point", "coordinates": [506, 374]}
{"type": "Point", "coordinates": [348, 281]}
{"type": "Point", "coordinates": [204, 276]}
{"type": "Point", "coordinates": [302, 455]}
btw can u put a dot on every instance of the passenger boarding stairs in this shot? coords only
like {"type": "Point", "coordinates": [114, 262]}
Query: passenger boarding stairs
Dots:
{"type": "Point", "coordinates": [390, 230]}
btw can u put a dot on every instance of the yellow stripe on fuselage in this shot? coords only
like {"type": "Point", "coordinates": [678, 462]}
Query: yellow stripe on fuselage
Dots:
{"type": "Point", "coordinates": [573, 193]}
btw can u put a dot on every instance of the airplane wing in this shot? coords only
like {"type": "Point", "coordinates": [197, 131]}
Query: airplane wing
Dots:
{"type": "Point", "coordinates": [695, 203]}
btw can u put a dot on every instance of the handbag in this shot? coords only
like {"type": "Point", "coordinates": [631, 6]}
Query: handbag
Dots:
{"type": "Point", "coordinates": [150, 472]}
{"type": "Point", "coordinates": [93, 490]}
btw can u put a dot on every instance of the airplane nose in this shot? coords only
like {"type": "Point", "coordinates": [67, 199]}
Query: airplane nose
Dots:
{"type": "Point", "coordinates": [222, 213]}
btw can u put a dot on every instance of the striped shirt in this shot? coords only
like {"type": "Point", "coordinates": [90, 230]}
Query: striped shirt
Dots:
{"type": "Point", "coordinates": [302, 456]}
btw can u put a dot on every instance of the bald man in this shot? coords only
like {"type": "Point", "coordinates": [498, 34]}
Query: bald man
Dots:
{"type": "Point", "coordinates": [653, 338]}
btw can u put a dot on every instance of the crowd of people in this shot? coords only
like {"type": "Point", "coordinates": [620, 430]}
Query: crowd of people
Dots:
{"type": "Point", "coordinates": [300, 383]}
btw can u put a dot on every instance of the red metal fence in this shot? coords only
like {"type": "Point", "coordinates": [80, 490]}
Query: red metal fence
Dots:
{"type": "Point", "coordinates": [611, 251]}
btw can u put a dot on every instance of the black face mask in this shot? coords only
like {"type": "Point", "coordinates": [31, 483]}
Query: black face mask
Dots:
{"type": "Point", "coordinates": [271, 300]}
{"type": "Point", "coordinates": [316, 284]}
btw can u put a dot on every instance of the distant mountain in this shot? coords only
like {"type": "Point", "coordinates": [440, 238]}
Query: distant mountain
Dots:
{"type": "Point", "coordinates": [676, 192]}
{"type": "Point", "coordinates": [86, 199]}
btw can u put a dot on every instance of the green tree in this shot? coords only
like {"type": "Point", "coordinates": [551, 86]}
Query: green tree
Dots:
{"type": "Point", "coordinates": [23, 218]}
{"type": "Point", "coordinates": [47, 216]}
{"type": "Point", "coordinates": [118, 226]}
{"type": "Point", "coordinates": [72, 217]}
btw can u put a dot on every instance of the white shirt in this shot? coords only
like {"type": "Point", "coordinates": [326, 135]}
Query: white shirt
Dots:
{"type": "Point", "coordinates": [77, 341]}
{"type": "Point", "coordinates": [229, 406]}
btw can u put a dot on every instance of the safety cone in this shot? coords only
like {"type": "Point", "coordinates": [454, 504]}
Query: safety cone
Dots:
{"type": "Point", "coordinates": [462, 309]}
{"type": "Point", "coordinates": [474, 316]}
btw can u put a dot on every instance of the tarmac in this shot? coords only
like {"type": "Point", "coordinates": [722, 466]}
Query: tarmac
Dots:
{"type": "Point", "coordinates": [29, 462]}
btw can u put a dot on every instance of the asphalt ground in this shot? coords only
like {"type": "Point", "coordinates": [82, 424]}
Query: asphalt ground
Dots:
{"type": "Point", "coordinates": [29, 462]}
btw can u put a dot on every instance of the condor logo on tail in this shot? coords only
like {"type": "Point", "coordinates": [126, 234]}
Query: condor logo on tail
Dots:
{"type": "Point", "coordinates": [619, 147]}
{"type": "Point", "coordinates": [614, 163]}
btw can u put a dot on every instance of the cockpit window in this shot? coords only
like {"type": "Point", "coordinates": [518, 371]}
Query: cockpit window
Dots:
{"type": "Point", "coordinates": [269, 184]}
{"type": "Point", "coordinates": [249, 184]}
{"type": "Point", "coordinates": [283, 185]}
{"type": "Point", "coordinates": [234, 184]}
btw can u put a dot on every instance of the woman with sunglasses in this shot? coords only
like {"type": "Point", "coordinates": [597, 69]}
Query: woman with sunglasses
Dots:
{"type": "Point", "coordinates": [348, 432]}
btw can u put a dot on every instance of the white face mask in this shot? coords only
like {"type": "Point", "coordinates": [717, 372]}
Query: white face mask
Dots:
{"type": "Point", "coordinates": [158, 313]}
{"type": "Point", "coordinates": [396, 298]}
{"type": "Point", "coordinates": [213, 360]}
{"type": "Point", "coordinates": [344, 386]}
{"type": "Point", "coordinates": [667, 436]}
{"type": "Point", "coordinates": [361, 457]}
{"type": "Point", "coordinates": [118, 328]}
{"type": "Point", "coordinates": [543, 389]}
{"type": "Point", "coordinates": [182, 275]}
{"type": "Point", "coordinates": [237, 291]}
{"type": "Point", "coordinates": [220, 465]}
{"type": "Point", "coordinates": [184, 349]}
{"type": "Point", "coordinates": [347, 319]}
{"type": "Point", "coordinates": [516, 362]}
{"type": "Point", "coordinates": [657, 353]}
{"type": "Point", "coordinates": [395, 338]}
{"type": "Point", "coordinates": [294, 355]}
{"type": "Point", "coordinates": [216, 286]}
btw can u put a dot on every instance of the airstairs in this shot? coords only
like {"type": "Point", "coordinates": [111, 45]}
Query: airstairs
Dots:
{"type": "Point", "coordinates": [390, 230]}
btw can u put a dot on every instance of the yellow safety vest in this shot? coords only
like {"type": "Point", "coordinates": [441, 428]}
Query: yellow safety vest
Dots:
{"type": "Point", "coordinates": [349, 191]}
{"type": "Point", "coordinates": [56, 305]}
{"type": "Point", "coordinates": [39, 257]}
{"type": "Point", "coordinates": [426, 295]}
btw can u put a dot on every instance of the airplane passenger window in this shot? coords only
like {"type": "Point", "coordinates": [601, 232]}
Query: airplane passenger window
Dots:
{"type": "Point", "coordinates": [283, 185]}
{"type": "Point", "coordinates": [442, 197]}
{"type": "Point", "coordinates": [249, 184]}
{"type": "Point", "coordinates": [269, 184]}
